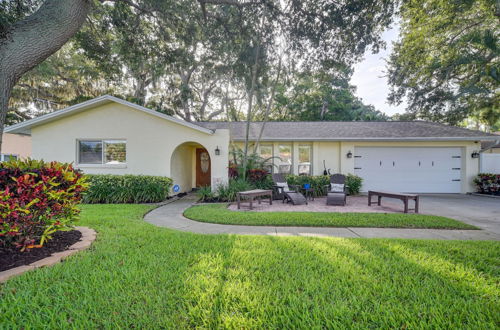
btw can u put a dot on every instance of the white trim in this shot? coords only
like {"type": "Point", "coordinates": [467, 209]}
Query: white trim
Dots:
{"type": "Point", "coordinates": [24, 127]}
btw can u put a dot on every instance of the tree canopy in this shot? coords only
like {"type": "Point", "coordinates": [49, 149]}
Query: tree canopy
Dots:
{"type": "Point", "coordinates": [446, 62]}
{"type": "Point", "coordinates": [196, 59]}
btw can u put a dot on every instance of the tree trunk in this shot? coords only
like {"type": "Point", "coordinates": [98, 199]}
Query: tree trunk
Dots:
{"type": "Point", "coordinates": [268, 108]}
{"type": "Point", "coordinates": [249, 112]}
{"type": "Point", "coordinates": [185, 92]}
{"type": "Point", "coordinates": [31, 40]}
{"type": "Point", "coordinates": [140, 88]}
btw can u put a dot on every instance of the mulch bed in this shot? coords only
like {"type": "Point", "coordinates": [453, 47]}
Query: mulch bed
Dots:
{"type": "Point", "coordinates": [62, 240]}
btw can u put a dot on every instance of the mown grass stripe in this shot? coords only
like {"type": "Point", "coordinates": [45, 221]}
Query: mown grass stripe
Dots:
{"type": "Point", "coordinates": [137, 275]}
{"type": "Point", "coordinates": [219, 213]}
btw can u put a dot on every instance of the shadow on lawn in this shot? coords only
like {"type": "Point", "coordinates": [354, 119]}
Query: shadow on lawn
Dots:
{"type": "Point", "coordinates": [139, 275]}
{"type": "Point", "coordinates": [315, 282]}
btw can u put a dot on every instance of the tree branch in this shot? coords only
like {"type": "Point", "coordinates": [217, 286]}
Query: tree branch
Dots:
{"type": "Point", "coordinates": [20, 114]}
{"type": "Point", "coordinates": [229, 2]}
{"type": "Point", "coordinates": [132, 4]}
{"type": "Point", "coordinates": [214, 114]}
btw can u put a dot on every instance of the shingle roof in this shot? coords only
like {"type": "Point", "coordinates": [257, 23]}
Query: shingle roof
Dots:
{"type": "Point", "coordinates": [354, 130]}
{"type": "Point", "coordinates": [491, 144]}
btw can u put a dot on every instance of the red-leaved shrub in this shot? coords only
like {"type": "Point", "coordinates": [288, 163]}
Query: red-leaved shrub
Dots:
{"type": "Point", "coordinates": [488, 183]}
{"type": "Point", "coordinates": [37, 199]}
{"type": "Point", "coordinates": [232, 171]}
{"type": "Point", "coordinates": [257, 175]}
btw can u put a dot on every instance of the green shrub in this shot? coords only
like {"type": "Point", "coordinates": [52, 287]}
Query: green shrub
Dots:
{"type": "Point", "coordinates": [37, 199]}
{"type": "Point", "coordinates": [266, 183]}
{"type": "Point", "coordinates": [205, 194]}
{"type": "Point", "coordinates": [319, 182]}
{"type": "Point", "coordinates": [109, 189]}
{"type": "Point", "coordinates": [227, 192]}
{"type": "Point", "coordinates": [353, 184]}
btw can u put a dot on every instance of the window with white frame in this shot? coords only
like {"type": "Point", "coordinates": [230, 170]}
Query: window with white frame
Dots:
{"type": "Point", "coordinates": [102, 152]}
{"type": "Point", "coordinates": [305, 156]}
{"type": "Point", "coordinates": [285, 158]}
{"type": "Point", "coordinates": [7, 157]}
{"type": "Point", "coordinates": [266, 152]}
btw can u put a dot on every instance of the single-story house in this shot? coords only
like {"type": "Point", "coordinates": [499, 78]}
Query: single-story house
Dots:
{"type": "Point", "coordinates": [15, 146]}
{"type": "Point", "coordinates": [110, 135]}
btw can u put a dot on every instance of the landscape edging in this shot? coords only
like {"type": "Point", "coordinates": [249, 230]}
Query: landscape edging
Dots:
{"type": "Point", "coordinates": [88, 236]}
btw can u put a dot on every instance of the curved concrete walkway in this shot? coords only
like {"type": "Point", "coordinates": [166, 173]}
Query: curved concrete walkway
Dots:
{"type": "Point", "coordinates": [171, 216]}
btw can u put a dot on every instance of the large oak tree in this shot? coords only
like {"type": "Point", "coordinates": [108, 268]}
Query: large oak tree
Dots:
{"type": "Point", "coordinates": [319, 33]}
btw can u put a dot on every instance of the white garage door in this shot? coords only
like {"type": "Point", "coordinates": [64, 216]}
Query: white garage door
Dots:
{"type": "Point", "coordinates": [419, 170]}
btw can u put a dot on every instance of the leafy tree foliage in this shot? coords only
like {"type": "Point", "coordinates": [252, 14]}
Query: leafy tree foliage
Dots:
{"type": "Point", "coordinates": [316, 97]}
{"type": "Point", "coordinates": [446, 62]}
{"type": "Point", "coordinates": [65, 78]}
{"type": "Point", "coordinates": [209, 59]}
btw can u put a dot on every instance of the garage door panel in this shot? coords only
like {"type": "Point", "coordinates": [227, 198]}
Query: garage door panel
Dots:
{"type": "Point", "coordinates": [433, 170]}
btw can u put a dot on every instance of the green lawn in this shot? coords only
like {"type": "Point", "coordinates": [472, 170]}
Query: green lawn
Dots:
{"type": "Point", "coordinates": [138, 275]}
{"type": "Point", "coordinates": [218, 213]}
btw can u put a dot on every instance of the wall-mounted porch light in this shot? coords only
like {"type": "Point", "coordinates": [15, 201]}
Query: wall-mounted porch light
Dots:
{"type": "Point", "coordinates": [217, 151]}
{"type": "Point", "coordinates": [475, 154]}
{"type": "Point", "coordinates": [349, 154]}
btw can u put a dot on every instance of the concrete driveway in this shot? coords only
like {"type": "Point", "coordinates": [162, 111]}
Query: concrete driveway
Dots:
{"type": "Point", "coordinates": [479, 211]}
{"type": "Point", "coordinates": [483, 212]}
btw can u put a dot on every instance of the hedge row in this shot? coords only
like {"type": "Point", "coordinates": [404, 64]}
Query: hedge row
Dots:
{"type": "Point", "coordinates": [110, 189]}
{"type": "Point", "coordinates": [318, 183]}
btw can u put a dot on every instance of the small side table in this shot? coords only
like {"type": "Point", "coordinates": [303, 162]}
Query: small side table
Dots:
{"type": "Point", "coordinates": [308, 193]}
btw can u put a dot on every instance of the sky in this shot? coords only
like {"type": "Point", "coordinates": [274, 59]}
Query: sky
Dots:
{"type": "Point", "coordinates": [369, 77]}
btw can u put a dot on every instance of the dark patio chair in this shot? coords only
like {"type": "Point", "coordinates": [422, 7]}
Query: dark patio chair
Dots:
{"type": "Point", "coordinates": [281, 190]}
{"type": "Point", "coordinates": [336, 196]}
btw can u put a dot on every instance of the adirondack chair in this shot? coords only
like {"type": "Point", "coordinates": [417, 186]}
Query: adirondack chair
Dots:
{"type": "Point", "coordinates": [336, 196]}
{"type": "Point", "coordinates": [281, 190]}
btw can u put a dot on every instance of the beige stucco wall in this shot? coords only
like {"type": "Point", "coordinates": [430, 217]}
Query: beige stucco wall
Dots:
{"type": "Point", "coordinates": [16, 144]}
{"type": "Point", "coordinates": [493, 151]}
{"type": "Point", "coordinates": [334, 153]}
{"type": "Point", "coordinates": [151, 142]}
{"type": "Point", "coordinates": [330, 153]}
{"type": "Point", "coordinates": [181, 169]}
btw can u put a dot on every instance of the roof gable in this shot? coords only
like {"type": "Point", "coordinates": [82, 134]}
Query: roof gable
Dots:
{"type": "Point", "coordinates": [25, 127]}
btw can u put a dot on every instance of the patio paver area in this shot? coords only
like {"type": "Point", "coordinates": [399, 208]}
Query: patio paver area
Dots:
{"type": "Point", "coordinates": [171, 216]}
{"type": "Point", "coordinates": [354, 204]}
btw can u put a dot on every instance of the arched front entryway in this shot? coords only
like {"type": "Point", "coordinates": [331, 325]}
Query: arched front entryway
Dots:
{"type": "Point", "coordinates": [190, 166]}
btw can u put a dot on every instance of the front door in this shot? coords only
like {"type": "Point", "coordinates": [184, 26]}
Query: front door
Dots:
{"type": "Point", "coordinates": [203, 170]}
